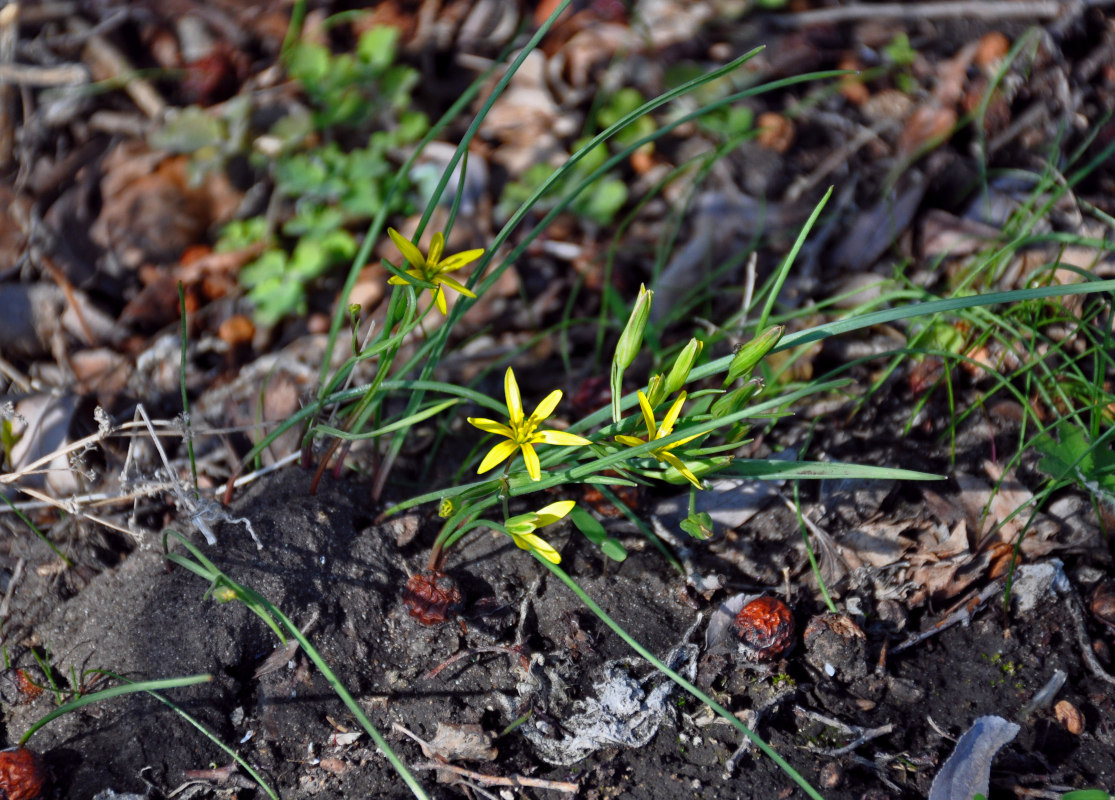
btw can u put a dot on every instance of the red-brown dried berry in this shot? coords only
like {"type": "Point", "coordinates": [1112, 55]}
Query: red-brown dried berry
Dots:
{"type": "Point", "coordinates": [27, 687]}
{"type": "Point", "coordinates": [432, 597]}
{"type": "Point", "coordinates": [765, 628]}
{"type": "Point", "coordinates": [23, 775]}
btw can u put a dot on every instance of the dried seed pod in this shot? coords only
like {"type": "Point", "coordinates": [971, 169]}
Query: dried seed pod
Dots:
{"type": "Point", "coordinates": [23, 775]}
{"type": "Point", "coordinates": [27, 687]}
{"type": "Point", "coordinates": [764, 628]}
{"type": "Point", "coordinates": [1070, 717]}
{"type": "Point", "coordinates": [432, 597]}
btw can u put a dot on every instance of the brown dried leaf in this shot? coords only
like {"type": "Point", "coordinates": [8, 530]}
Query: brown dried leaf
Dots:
{"type": "Point", "coordinates": [879, 543]}
{"type": "Point", "coordinates": [460, 742]}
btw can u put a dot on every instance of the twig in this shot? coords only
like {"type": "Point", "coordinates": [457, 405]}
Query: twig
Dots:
{"type": "Point", "coordinates": [18, 379]}
{"type": "Point", "coordinates": [977, 9]}
{"type": "Point", "coordinates": [76, 511]}
{"type": "Point", "coordinates": [9, 33]}
{"type": "Point", "coordinates": [1094, 666]}
{"type": "Point", "coordinates": [964, 612]}
{"type": "Point", "coordinates": [496, 780]}
{"type": "Point", "coordinates": [508, 651]}
{"type": "Point", "coordinates": [44, 77]}
{"type": "Point", "coordinates": [862, 734]}
{"type": "Point", "coordinates": [109, 63]}
{"type": "Point", "coordinates": [17, 575]}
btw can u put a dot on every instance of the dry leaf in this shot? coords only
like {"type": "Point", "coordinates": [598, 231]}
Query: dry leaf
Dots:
{"type": "Point", "coordinates": [460, 742]}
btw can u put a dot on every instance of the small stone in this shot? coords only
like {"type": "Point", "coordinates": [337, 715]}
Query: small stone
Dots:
{"type": "Point", "coordinates": [832, 775]}
{"type": "Point", "coordinates": [1069, 716]}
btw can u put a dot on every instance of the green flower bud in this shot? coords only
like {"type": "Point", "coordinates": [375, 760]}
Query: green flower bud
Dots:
{"type": "Point", "coordinates": [736, 399]}
{"type": "Point", "coordinates": [632, 337]}
{"type": "Point", "coordinates": [656, 390]}
{"type": "Point", "coordinates": [683, 364]}
{"type": "Point", "coordinates": [446, 507]}
{"type": "Point", "coordinates": [751, 353]}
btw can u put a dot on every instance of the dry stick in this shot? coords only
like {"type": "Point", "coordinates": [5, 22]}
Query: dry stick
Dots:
{"type": "Point", "coordinates": [490, 780]}
{"type": "Point", "coordinates": [43, 77]}
{"type": "Point", "coordinates": [862, 734]}
{"type": "Point", "coordinates": [108, 63]}
{"type": "Point", "coordinates": [495, 780]}
{"type": "Point", "coordinates": [977, 9]}
{"type": "Point", "coordinates": [9, 32]}
{"type": "Point", "coordinates": [964, 612]}
{"type": "Point", "coordinates": [1073, 602]}
{"type": "Point", "coordinates": [74, 511]}
{"type": "Point", "coordinates": [472, 651]}
{"type": "Point", "coordinates": [18, 379]}
{"type": "Point", "coordinates": [5, 606]}
{"type": "Point", "coordinates": [70, 294]}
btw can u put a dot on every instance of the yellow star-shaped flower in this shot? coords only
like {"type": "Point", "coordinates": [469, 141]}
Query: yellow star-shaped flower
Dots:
{"type": "Point", "coordinates": [522, 432]}
{"type": "Point", "coordinates": [523, 526]}
{"type": "Point", "coordinates": [663, 453]}
{"type": "Point", "coordinates": [432, 268]}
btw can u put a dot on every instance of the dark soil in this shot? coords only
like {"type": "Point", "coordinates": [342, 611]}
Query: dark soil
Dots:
{"type": "Point", "coordinates": [342, 577]}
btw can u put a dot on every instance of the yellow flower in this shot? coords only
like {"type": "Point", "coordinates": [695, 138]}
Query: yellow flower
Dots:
{"type": "Point", "coordinates": [663, 453]}
{"type": "Point", "coordinates": [521, 431]}
{"type": "Point", "coordinates": [432, 268]}
{"type": "Point", "coordinates": [523, 526]}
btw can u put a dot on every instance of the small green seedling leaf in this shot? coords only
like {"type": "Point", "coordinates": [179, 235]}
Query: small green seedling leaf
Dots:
{"type": "Point", "coordinates": [699, 526]}
{"type": "Point", "coordinates": [1072, 457]}
{"type": "Point", "coordinates": [592, 529]}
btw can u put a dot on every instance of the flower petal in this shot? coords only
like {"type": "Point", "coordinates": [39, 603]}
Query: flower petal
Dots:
{"type": "Point", "coordinates": [491, 426]}
{"type": "Point", "coordinates": [523, 523]}
{"type": "Point", "coordinates": [546, 407]}
{"type": "Point", "coordinates": [514, 399]}
{"type": "Point", "coordinates": [630, 441]}
{"type": "Point", "coordinates": [530, 458]}
{"type": "Point", "coordinates": [496, 456]}
{"type": "Point", "coordinates": [648, 415]}
{"type": "Point", "coordinates": [559, 437]}
{"type": "Point", "coordinates": [536, 544]}
{"type": "Point", "coordinates": [553, 512]}
{"type": "Point", "coordinates": [677, 464]}
{"type": "Point", "coordinates": [459, 260]}
{"type": "Point", "coordinates": [439, 300]}
{"type": "Point", "coordinates": [407, 248]}
{"type": "Point", "coordinates": [401, 281]}
{"type": "Point", "coordinates": [452, 284]}
{"type": "Point", "coordinates": [671, 417]}
{"type": "Point", "coordinates": [437, 247]}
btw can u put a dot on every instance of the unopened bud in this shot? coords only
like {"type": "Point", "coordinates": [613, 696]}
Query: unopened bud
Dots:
{"type": "Point", "coordinates": [656, 390]}
{"type": "Point", "coordinates": [751, 353]}
{"type": "Point", "coordinates": [685, 361]}
{"type": "Point", "coordinates": [632, 337]}
{"type": "Point", "coordinates": [736, 399]}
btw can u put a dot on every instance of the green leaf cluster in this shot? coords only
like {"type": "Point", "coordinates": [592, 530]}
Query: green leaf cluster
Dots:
{"type": "Point", "coordinates": [330, 185]}
{"type": "Point", "coordinates": [1071, 457]}
{"type": "Point", "coordinates": [353, 89]}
